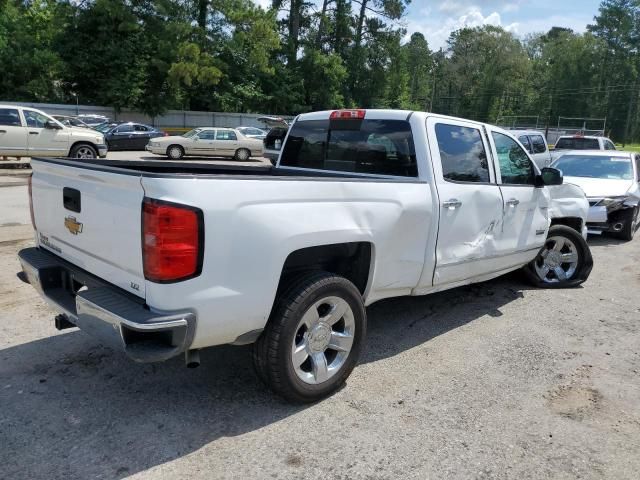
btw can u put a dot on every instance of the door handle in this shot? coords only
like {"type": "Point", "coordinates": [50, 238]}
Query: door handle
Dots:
{"type": "Point", "coordinates": [34, 133]}
{"type": "Point", "coordinates": [514, 202]}
{"type": "Point", "coordinates": [452, 204]}
{"type": "Point", "coordinates": [3, 131]}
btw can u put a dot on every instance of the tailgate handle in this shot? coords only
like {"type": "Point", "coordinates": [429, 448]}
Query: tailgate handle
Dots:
{"type": "Point", "coordinates": [71, 199]}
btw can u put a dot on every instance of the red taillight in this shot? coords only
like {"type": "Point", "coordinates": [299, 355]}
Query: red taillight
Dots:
{"type": "Point", "coordinates": [348, 114]}
{"type": "Point", "coordinates": [33, 220]}
{"type": "Point", "coordinates": [172, 241]}
{"type": "Point", "coordinates": [165, 134]}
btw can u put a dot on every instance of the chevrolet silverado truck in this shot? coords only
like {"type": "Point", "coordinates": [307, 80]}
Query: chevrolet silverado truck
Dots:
{"type": "Point", "coordinates": [165, 258]}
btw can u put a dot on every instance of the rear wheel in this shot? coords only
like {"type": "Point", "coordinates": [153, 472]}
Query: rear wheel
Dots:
{"type": "Point", "coordinates": [564, 261]}
{"type": "Point", "coordinates": [313, 339]}
{"type": "Point", "coordinates": [175, 152]}
{"type": "Point", "coordinates": [83, 150]}
{"type": "Point", "coordinates": [242, 154]}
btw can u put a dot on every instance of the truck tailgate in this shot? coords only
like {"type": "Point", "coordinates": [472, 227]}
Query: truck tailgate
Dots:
{"type": "Point", "coordinates": [92, 219]}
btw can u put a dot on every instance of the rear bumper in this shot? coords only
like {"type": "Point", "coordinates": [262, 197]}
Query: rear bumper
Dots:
{"type": "Point", "coordinates": [105, 312]}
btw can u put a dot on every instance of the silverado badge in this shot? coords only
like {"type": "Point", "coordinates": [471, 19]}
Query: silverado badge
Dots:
{"type": "Point", "coordinates": [72, 225]}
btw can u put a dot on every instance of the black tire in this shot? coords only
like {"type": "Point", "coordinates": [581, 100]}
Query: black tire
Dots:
{"type": "Point", "coordinates": [83, 150]}
{"type": "Point", "coordinates": [242, 155]}
{"type": "Point", "coordinates": [629, 219]}
{"type": "Point", "coordinates": [175, 152]}
{"type": "Point", "coordinates": [272, 353]}
{"type": "Point", "coordinates": [582, 269]}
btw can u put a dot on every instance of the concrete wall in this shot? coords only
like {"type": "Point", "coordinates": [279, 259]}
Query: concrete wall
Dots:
{"type": "Point", "coordinates": [179, 119]}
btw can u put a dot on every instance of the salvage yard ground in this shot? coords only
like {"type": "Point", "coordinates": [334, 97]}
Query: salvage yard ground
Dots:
{"type": "Point", "coordinates": [495, 380]}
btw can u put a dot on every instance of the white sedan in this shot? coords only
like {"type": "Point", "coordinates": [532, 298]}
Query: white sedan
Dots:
{"type": "Point", "coordinates": [207, 141]}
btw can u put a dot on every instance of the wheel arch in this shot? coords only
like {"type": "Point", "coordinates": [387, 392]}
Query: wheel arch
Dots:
{"type": "Point", "coordinates": [575, 223]}
{"type": "Point", "coordinates": [352, 260]}
{"type": "Point", "coordinates": [82, 142]}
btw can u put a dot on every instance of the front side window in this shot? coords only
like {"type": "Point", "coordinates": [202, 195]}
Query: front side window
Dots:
{"type": "Point", "coordinates": [9, 117]}
{"type": "Point", "coordinates": [207, 135]}
{"type": "Point", "coordinates": [376, 147]}
{"type": "Point", "coordinates": [515, 166]}
{"type": "Point", "coordinates": [462, 154]}
{"type": "Point", "coordinates": [124, 129]}
{"type": "Point", "coordinates": [538, 144]}
{"type": "Point", "coordinates": [226, 135]}
{"type": "Point", "coordinates": [35, 119]}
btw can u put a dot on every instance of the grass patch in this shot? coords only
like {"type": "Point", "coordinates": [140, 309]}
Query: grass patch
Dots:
{"type": "Point", "coordinates": [630, 147]}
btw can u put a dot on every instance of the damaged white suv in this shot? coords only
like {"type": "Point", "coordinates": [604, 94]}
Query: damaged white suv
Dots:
{"type": "Point", "coordinates": [362, 205]}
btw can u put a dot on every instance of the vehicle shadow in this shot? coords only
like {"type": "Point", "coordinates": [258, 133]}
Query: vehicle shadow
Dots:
{"type": "Point", "coordinates": [604, 240]}
{"type": "Point", "coordinates": [72, 408]}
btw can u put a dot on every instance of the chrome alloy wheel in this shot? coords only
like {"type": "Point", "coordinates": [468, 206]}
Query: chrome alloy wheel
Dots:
{"type": "Point", "coordinates": [323, 340]}
{"type": "Point", "coordinates": [85, 152]}
{"type": "Point", "coordinates": [558, 260]}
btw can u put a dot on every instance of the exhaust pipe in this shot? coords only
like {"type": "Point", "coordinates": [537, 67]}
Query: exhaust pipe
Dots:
{"type": "Point", "coordinates": [617, 227]}
{"type": "Point", "coordinates": [192, 358]}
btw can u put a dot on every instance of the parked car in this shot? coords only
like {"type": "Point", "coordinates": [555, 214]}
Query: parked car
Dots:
{"type": "Point", "coordinates": [363, 205]}
{"type": "Point", "coordinates": [207, 142]}
{"type": "Point", "coordinates": [70, 121]}
{"type": "Point", "coordinates": [92, 120]}
{"type": "Point", "coordinates": [278, 128]}
{"type": "Point", "coordinates": [252, 132]}
{"type": "Point", "coordinates": [536, 144]}
{"type": "Point", "coordinates": [129, 135]}
{"type": "Point", "coordinates": [611, 183]}
{"type": "Point", "coordinates": [27, 132]}
{"type": "Point", "coordinates": [580, 142]}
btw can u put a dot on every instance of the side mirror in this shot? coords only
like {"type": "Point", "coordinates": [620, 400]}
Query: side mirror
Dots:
{"type": "Point", "coordinates": [52, 125]}
{"type": "Point", "coordinates": [550, 176]}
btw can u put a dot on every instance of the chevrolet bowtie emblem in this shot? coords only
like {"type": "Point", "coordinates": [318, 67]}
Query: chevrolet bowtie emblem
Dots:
{"type": "Point", "coordinates": [73, 225]}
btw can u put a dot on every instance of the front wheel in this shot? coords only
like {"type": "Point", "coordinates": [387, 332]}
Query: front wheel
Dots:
{"type": "Point", "coordinates": [83, 150]}
{"type": "Point", "coordinates": [629, 224]}
{"type": "Point", "coordinates": [175, 152]}
{"type": "Point", "coordinates": [313, 339]}
{"type": "Point", "coordinates": [564, 261]}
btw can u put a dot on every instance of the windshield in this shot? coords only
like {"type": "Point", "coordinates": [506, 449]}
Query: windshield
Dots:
{"type": "Point", "coordinates": [592, 166]}
{"type": "Point", "coordinates": [192, 133]}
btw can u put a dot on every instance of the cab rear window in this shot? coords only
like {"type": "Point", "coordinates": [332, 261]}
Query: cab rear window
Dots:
{"type": "Point", "coordinates": [379, 147]}
{"type": "Point", "coordinates": [577, 143]}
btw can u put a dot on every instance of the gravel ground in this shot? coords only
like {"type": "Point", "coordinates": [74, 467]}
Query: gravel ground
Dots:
{"type": "Point", "coordinates": [495, 380]}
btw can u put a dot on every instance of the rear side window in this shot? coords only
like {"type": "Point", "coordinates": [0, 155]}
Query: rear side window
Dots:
{"type": "Point", "coordinates": [537, 144]}
{"type": "Point", "coordinates": [524, 140]}
{"type": "Point", "coordinates": [578, 143]}
{"type": "Point", "coordinates": [608, 145]}
{"type": "Point", "coordinates": [462, 154]}
{"type": "Point", "coordinates": [226, 135]}
{"type": "Point", "coordinates": [515, 166]}
{"type": "Point", "coordinates": [140, 128]}
{"type": "Point", "coordinates": [380, 147]}
{"type": "Point", "coordinates": [9, 117]}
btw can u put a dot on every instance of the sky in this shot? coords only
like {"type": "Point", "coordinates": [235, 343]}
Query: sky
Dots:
{"type": "Point", "coordinates": [436, 19]}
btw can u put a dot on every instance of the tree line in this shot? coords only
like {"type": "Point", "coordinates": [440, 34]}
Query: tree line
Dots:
{"type": "Point", "coordinates": [297, 56]}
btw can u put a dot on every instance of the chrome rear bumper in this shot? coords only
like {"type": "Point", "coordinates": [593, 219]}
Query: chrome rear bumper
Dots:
{"type": "Point", "coordinates": [102, 310]}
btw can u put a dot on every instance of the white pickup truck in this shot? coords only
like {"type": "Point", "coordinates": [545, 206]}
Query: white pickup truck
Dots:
{"type": "Point", "coordinates": [162, 258]}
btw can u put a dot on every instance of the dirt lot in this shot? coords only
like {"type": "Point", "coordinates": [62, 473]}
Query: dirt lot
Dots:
{"type": "Point", "coordinates": [490, 381]}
